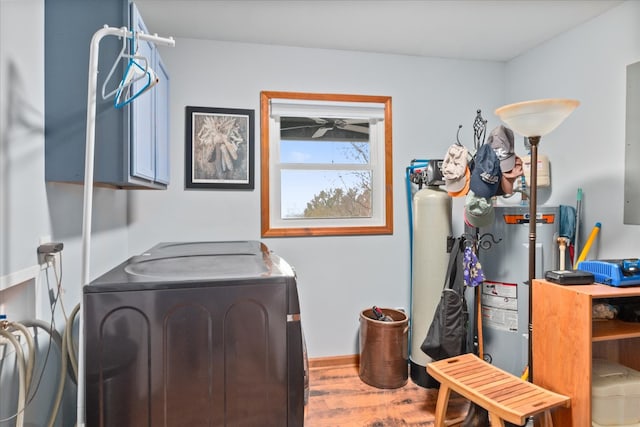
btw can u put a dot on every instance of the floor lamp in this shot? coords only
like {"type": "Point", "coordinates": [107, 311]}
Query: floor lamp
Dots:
{"type": "Point", "coordinates": [534, 119]}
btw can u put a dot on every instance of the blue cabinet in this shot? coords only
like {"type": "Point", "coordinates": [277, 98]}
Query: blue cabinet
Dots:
{"type": "Point", "coordinates": [132, 142]}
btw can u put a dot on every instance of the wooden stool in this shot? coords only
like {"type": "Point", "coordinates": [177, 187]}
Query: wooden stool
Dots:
{"type": "Point", "coordinates": [505, 396]}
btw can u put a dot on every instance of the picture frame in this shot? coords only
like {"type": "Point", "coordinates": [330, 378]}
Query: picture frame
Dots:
{"type": "Point", "coordinates": [219, 148]}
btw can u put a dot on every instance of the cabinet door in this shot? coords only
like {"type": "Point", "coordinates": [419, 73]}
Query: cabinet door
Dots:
{"type": "Point", "coordinates": [142, 110]}
{"type": "Point", "coordinates": [163, 152]}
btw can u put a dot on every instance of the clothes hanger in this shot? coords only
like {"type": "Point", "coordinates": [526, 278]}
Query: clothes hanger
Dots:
{"type": "Point", "coordinates": [121, 55]}
{"type": "Point", "coordinates": [134, 73]}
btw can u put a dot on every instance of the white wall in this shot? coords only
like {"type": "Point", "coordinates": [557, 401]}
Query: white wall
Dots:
{"type": "Point", "coordinates": [30, 209]}
{"type": "Point", "coordinates": [587, 150]}
{"type": "Point", "coordinates": [23, 217]}
{"type": "Point", "coordinates": [338, 276]}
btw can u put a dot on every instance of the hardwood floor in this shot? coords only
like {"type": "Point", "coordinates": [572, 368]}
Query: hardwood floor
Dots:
{"type": "Point", "coordinates": [338, 398]}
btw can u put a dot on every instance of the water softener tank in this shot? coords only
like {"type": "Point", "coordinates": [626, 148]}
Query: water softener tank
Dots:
{"type": "Point", "coordinates": [431, 229]}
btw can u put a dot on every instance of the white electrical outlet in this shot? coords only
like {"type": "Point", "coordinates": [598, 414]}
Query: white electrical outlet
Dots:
{"type": "Point", "coordinates": [47, 252]}
{"type": "Point", "coordinates": [51, 259]}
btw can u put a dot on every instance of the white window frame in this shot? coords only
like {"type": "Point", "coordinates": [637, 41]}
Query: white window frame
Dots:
{"type": "Point", "coordinates": [377, 111]}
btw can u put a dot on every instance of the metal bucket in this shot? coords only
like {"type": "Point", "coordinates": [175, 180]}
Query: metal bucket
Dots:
{"type": "Point", "coordinates": [384, 349]}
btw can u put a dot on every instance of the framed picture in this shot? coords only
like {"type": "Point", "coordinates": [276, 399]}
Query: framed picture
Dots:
{"type": "Point", "coordinates": [219, 148]}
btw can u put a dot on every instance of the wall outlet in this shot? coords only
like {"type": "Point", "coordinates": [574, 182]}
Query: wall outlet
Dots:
{"type": "Point", "coordinates": [43, 240]}
{"type": "Point", "coordinates": [47, 253]}
{"type": "Point", "coordinates": [50, 248]}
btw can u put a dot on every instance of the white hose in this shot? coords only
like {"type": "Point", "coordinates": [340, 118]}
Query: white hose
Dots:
{"type": "Point", "coordinates": [21, 375]}
{"type": "Point", "coordinates": [31, 347]}
{"type": "Point", "coordinates": [67, 350]}
{"type": "Point", "coordinates": [25, 369]}
{"type": "Point", "coordinates": [71, 350]}
{"type": "Point", "coordinates": [63, 374]}
{"type": "Point", "coordinates": [57, 338]}
{"type": "Point", "coordinates": [55, 335]}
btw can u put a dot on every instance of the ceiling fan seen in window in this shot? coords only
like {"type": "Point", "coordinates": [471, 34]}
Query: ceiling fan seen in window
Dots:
{"type": "Point", "coordinates": [314, 128]}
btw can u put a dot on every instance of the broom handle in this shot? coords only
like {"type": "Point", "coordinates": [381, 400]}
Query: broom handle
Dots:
{"type": "Point", "coordinates": [587, 246]}
{"type": "Point", "coordinates": [577, 232]}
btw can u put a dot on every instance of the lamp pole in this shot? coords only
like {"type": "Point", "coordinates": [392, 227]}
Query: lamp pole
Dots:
{"type": "Point", "coordinates": [534, 141]}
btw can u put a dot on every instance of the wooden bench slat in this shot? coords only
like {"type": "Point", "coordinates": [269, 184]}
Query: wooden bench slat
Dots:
{"type": "Point", "coordinates": [456, 370]}
{"type": "Point", "coordinates": [475, 375]}
{"type": "Point", "coordinates": [503, 382]}
{"type": "Point", "coordinates": [500, 392]}
{"type": "Point", "coordinates": [515, 400]}
{"type": "Point", "coordinates": [483, 376]}
{"type": "Point", "coordinates": [532, 406]}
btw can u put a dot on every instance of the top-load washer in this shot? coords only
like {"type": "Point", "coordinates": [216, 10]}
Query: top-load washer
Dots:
{"type": "Point", "coordinates": [195, 333]}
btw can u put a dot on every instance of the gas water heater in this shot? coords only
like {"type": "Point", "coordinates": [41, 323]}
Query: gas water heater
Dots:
{"type": "Point", "coordinates": [504, 255]}
{"type": "Point", "coordinates": [431, 230]}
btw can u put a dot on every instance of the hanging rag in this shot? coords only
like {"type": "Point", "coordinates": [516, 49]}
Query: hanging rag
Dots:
{"type": "Point", "coordinates": [567, 222]}
{"type": "Point", "coordinates": [472, 269]}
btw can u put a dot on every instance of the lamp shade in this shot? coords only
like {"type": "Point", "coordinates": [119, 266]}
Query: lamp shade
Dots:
{"type": "Point", "coordinates": [538, 117]}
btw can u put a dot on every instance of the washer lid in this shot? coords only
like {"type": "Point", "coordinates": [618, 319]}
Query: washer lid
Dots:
{"type": "Point", "coordinates": [169, 265]}
{"type": "Point", "coordinates": [191, 267]}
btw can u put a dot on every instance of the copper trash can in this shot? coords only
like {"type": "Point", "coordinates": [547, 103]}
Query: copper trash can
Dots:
{"type": "Point", "coordinates": [384, 349]}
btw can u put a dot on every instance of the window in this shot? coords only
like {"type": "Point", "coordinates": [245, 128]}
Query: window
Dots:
{"type": "Point", "coordinates": [325, 164]}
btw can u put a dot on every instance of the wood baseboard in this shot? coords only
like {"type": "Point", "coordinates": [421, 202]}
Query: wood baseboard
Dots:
{"type": "Point", "coordinates": [334, 361]}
